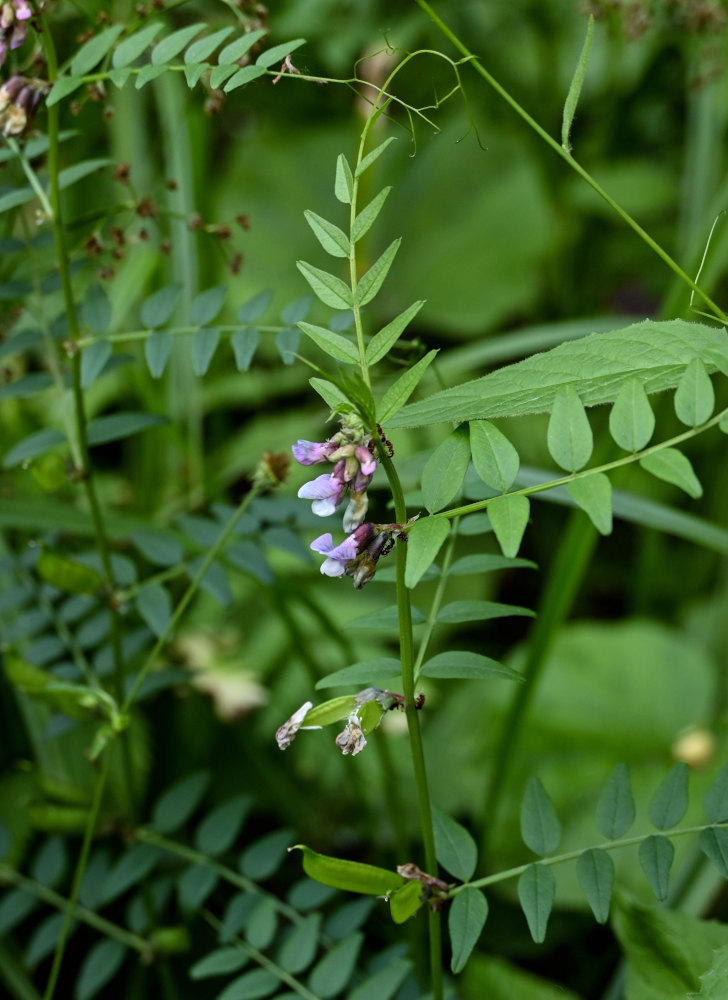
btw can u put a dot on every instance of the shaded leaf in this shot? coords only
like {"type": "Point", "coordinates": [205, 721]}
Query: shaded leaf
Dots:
{"type": "Point", "coordinates": [204, 344]}
{"type": "Point", "coordinates": [670, 802]}
{"type": "Point", "coordinates": [251, 986]}
{"type": "Point", "coordinates": [254, 308]}
{"type": "Point", "coordinates": [536, 889]}
{"type": "Point", "coordinates": [656, 854]}
{"type": "Point", "coordinates": [331, 974]}
{"type": "Point", "coordinates": [300, 947]}
{"type": "Point", "coordinates": [714, 845]}
{"type": "Point", "coordinates": [172, 45]}
{"type": "Point", "coordinates": [466, 665]}
{"type": "Point", "coordinates": [287, 344]}
{"type": "Point", "coordinates": [175, 806]}
{"type": "Point", "coordinates": [673, 467]}
{"type": "Point", "coordinates": [444, 472]}
{"type": "Point", "coordinates": [102, 962]}
{"type": "Point", "coordinates": [220, 962]}
{"type": "Point", "coordinates": [715, 801]}
{"type": "Point", "coordinates": [595, 871]}
{"type": "Point", "coordinates": [615, 810]}
{"type": "Point", "coordinates": [263, 858]}
{"type": "Point", "coordinates": [93, 361]}
{"type": "Point", "coordinates": [133, 46]}
{"type": "Point", "coordinates": [155, 607]}
{"type": "Point", "coordinates": [468, 913]}
{"type": "Point", "coordinates": [203, 48]}
{"type": "Point", "coordinates": [508, 516]}
{"type": "Point", "coordinates": [206, 306]}
{"type": "Point", "coordinates": [32, 447]}
{"type": "Point", "coordinates": [157, 349]}
{"type": "Point", "coordinates": [364, 673]}
{"type": "Point", "coordinates": [195, 884]}
{"type": "Point", "coordinates": [68, 575]}
{"type": "Point", "coordinates": [456, 850]}
{"type": "Point", "coordinates": [424, 541]}
{"type": "Point", "coordinates": [241, 46]}
{"type": "Point", "coordinates": [244, 344]}
{"type": "Point", "coordinates": [278, 53]}
{"type": "Point", "coordinates": [243, 76]}
{"type": "Point", "coordinates": [96, 309]}
{"type": "Point", "coordinates": [115, 426]}
{"type": "Point", "coordinates": [94, 50]}
{"type": "Point", "coordinates": [220, 828]}
{"type": "Point", "coordinates": [540, 826]}
{"type": "Point", "coordinates": [474, 611]}
{"type": "Point", "coordinates": [158, 308]}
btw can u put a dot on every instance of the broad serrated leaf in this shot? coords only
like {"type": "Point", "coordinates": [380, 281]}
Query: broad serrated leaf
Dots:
{"type": "Point", "coordinates": [220, 828]}
{"type": "Point", "coordinates": [456, 850]}
{"type": "Point", "coordinates": [100, 965]}
{"type": "Point", "coordinates": [175, 806]}
{"type": "Point", "coordinates": [244, 344]}
{"type": "Point", "coordinates": [158, 308]}
{"type": "Point", "coordinates": [656, 854]}
{"type": "Point", "coordinates": [331, 290]}
{"type": "Point", "coordinates": [478, 611]}
{"type": "Point", "coordinates": [444, 472]}
{"type": "Point", "coordinates": [468, 913]}
{"type": "Point", "coordinates": [713, 982]}
{"type": "Point", "coordinates": [133, 46]}
{"type": "Point", "coordinates": [370, 158]}
{"type": "Point", "coordinates": [631, 420]}
{"type": "Point", "coordinates": [331, 343]}
{"type": "Point", "coordinates": [93, 361]}
{"type": "Point", "coordinates": [364, 673]}
{"type": "Point", "coordinates": [569, 438]}
{"type": "Point", "coordinates": [594, 495]}
{"type": "Point", "coordinates": [595, 871]}
{"type": "Point", "coordinates": [206, 306]}
{"type": "Point", "coordinates": [540, 826]}
{"type": "Point", "coordinates": [508, 516]}
{"type": "Point", "coordinates": [344, 183]}
{"type": "Point", "coordinates": [203, 346]}
{"type": "Point", "coordinates": [202, 49]}
{"type": "Point", "coordinates": [33, 446]}
{"type": "Point", "coordinates": [157, 349]}
{"type": "Point", "coordinates": [397, 395]}
{"type": "Point", "coordinates": [352, 876]}
{"type": "Point", "coordinates": [332, 239]}
{"type": "Point", "coordinates": [243, 76]}
{"type": "Point", "coordinates": [370, 283]}
{"type": "Point", "coordinates": [172, 45]}
{"type": "Point", "coordinates": [278, 53]}
{"type": "Point", "coordinates": [382, 342]}
{"type": "Point", "coordinates": [254, 308]}
{"type": "Point", "coordinates": [615, 810]}
{"type": "Point", "coordinates": [424, 541]}
{"type": "Point", "coordinates": [672, 466]}
{"type": "Point", "coordinates": [368, 215]}
{"type": "Point", "coordinates": [94, 50]}
{"type": "Point", "coordinates": [495, 459]}
{"type": "Point", "coordinates": [536, 889]}
{"type": "Point", "coordinates": [656, 353]}
{"type": "Point", "coordinates": [219, 962]}
{"type": "Point", "coordinates": [694, 397]}
{"type": "Point", "coordinates": [241, 46]}
{"type": "Point", "coordinates": [670, 802]}
{"type": "Point", "coordinates": [464, 665]}
{"type": "Point", "coordinates": [715, 800]}
{"type": "Point", "coordinates": [155, 607]}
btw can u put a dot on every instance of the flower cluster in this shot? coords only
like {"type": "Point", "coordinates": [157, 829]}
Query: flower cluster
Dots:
{"type": "Point", "coordinates": [14, 16]}
{"type": "Point", "coordinates": [350, 452]}
{"type": "Point", "coordinates": [20, 98]}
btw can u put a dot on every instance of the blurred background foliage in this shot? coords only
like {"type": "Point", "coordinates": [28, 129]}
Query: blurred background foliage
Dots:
{"type": "Point", "coordinates": [513, 254]}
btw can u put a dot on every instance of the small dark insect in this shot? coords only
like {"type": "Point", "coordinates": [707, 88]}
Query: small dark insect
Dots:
{"type": "Point", "coordinates": [386, 441]}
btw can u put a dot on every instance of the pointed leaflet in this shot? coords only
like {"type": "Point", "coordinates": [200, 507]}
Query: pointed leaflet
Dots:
{"type": "Point", "coordinates": [93, 361]}
{"type": "Point", "coordinates": [279, 52]}
{"type": "Point", "coordinates": [631, 421]}
{"type": "Point", "coordinates": [596, 367]}
{"type": "Point", "coordinates": [463, 665]}
{"type": "Point", "coordinates": [352, 876]}
{"type": "Point", "coordinates": [330, 393]}
{"type": "Point", "coordinates": [244, 344]}
{"type": "Point", "coordinates": [715, 801]}
{"type": "Point", "coordinates": [388, 336]}
{"type": "Point", "coordinates": [158, 308]}
{"type": "Point", "coordinates": [656, 854]}
{"type": "Point", "coordinates": [714, 845]}
{"type": "Point", "coordinates": [478, 611]}
{"type": "Point", "coordinates": [509, 516]}
{"type": "Point", "coordinates": [131, 48]}
{"type": "Point", "coordinates": [240, 46]}
{"type": "Point", "coordinates": [94, 50]}
{"type": "Point", "coordinates": [595, 871]}
{"type": "Point", "coordinates": [569, 436]}
{"type": "Point", "coordinates": [672, 466]}
{"type": "Point", "coordinates": [572, 98]}
{"type": "Point", "coordinates": [366, 218]}
{"type": "Point", "coordinates": [206, 306]}
{"type": "Point", "coordinates": [670, 802]}
{"type": "Point", "coordinates": [157, 349]}
{"type": "Point", "coordinates": [331, 343]}
{"type": "Point", "coordinates": [96, 310]}
{"type": "Point", "coordinates": [444, 472]}
{"type": "Point", "coordinates": [615, 810]}
{"type": "Point", "coordinates": [694, 398]}
{"type": "Point", "coordinates": [371, 157]}
{"type": "Point", "coordinates": [468, 913]}
{"type": "Point", "coordinates": [254, 308]}
{"type": "Point", "coordinates": [370, 283]}
{"type": "Point", "coordinates": [540, 826]}
{"type": "Point", "coordinates": [243, 76]}
{"type": "Point", "coordinates": [101, 963]}
{"type": "Point", "coordinates": [331, 290]}
{"type": "Point", "coordinates": [332, 239]}
{"type": "Point", "coordinates": [173, 44]}
{"type": "Point", "coordinates": [456, 850]}
{"type": "Point", "coordinates": [397, 395]}
{"type": "Point", "coordinates": [204, 47]}
{"type": "Point", "coordinates": [204, 344]}
{"type": "Point", "coordinates": [536, 888]}
{"type": "Point", "coordinates": [155, 607]}
{"type": "Point", "coordinates": [424, 541]}
{"type": "Point", "coordinates": [594, 495]}
{"type": "Point", "coordinates": [344, 184]}
{"type": "Point", "coordinates": [495, 459]}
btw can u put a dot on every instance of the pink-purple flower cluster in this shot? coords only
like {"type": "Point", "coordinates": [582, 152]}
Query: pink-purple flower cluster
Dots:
{"type": "Point", "coordinates": [350, 452]}
{"type": "Point", "coordinates": [14, 17]}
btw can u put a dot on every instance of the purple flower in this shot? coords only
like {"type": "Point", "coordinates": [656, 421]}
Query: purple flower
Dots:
{"type": "Point", "coordinates": [13, 31]}
{"type": "Point", "coordinates": [311, 452]}
{"type": "Point", "coordinates": [326, 493]}
{"type": "Point", "coordinates": [339, 556]}
{"type": "Point", "coordinates": [367, 462]}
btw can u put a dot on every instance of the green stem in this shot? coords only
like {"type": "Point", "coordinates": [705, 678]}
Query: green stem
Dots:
{"type": "Point", "coordinates": [32, 179]}
{"type": "Point", "coordinates": [79, 872]}
{"type": "Point", "coordinates": [81, 913]}
{"type": "Point", "coordinates": [569, 159]}
{"type": "Point", "coordinates": [470, 508]}
{"type": "Point", "coordinates": [187, 596]}
{"type": "Point", "coordinates": [437, 599]}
